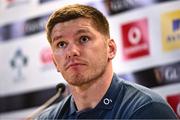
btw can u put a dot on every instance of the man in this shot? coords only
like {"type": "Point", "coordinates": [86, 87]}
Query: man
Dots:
{"type": "Point", "coordinates": [82, 53]}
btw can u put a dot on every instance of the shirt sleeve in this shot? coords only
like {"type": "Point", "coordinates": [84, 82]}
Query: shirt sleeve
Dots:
{"type": "Point", "coordinates": [154, 110]}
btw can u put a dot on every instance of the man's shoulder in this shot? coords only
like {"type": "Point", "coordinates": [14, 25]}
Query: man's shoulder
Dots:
{"type": "Point", "coordinates": [134, 89]}
{"type": "Point", "coordinates": [137, 99]}
{"type": "Point", "coordinates": [146, 103]}
{"type": "Point", "coordinates": [53, 110]}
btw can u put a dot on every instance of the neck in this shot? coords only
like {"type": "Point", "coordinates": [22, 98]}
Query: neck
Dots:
{"type": "Point", "coordinates": [89, 95]}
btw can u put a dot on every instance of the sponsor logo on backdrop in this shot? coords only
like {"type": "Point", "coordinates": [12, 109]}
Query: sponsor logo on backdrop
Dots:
{"type": "Point", "coordinates": [155, 76]}
{"type": "Point", "coordinates": [118, 6]}
{"type": "Point", "coordinates": [1, 34]}
{"type": "Point", "coordinates": [135, 39]}
{"type": "Point", "coordinates": [170, 27]}
{"type": "Point", "coordinates": [44, 1]}
{"type": "Point", "coordinates": [6, 32]}
{"type": "Point", "coordinates": [23, 28]}
{"type": "Point", "coordinates": [46, 59]}
{"type": "Point", "coordinates": [168, 73]}
{"type": "Point", "coordinates": [18, 62]}
{"type": "Point", "coordinates": [174, 101]}
{"type": "Point", "coordinates": [35, 25]}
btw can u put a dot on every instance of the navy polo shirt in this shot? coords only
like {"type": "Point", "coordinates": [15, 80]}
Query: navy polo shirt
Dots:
{"type": "Point", "coordinates": [123, 100]}
{"type": "Point", "coordinates": [100, 111]}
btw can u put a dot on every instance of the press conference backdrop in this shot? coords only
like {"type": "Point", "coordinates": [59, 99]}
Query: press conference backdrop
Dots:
{"type": "Point", "coordinates": [147, 34]}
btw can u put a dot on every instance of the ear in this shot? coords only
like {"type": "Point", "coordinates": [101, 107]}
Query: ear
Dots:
{"type": "Point", "coordinates": [54, 61]}
{"type": "Point", "coordinates": [111, 49]}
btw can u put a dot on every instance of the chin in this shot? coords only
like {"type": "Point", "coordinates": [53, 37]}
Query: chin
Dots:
{"type": "Point", "coordinates": [76, 80]}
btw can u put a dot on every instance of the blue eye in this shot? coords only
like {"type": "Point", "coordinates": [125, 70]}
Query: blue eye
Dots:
{"type": "Point", "coordinates": [84, 39]}
{"type": "Point", "coordinates": [62, 44]}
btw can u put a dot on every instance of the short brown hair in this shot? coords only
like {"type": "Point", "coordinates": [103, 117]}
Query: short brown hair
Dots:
{"type": "Point", "coordinates": [70, 12]}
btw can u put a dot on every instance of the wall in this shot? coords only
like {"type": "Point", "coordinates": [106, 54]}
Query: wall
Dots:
{"type": "Point", "coordinates": [147, 34]}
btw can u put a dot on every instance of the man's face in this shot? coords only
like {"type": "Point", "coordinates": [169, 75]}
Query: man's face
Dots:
{"type": "Point", "coordinates": [80, 52]}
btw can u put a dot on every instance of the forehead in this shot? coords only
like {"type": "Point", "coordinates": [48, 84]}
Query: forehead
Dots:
{"type": "Point", "coordinates": [72, 26]}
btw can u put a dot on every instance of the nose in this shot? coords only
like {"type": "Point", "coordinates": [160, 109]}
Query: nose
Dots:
{"type": "Point", "coordinates": [72, 51]}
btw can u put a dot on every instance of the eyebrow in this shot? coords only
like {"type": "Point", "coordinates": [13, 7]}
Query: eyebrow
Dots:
{"type": "Point", "coordinates": [80, 31]}
{"type": "Point", "coordinates": [56, 38]}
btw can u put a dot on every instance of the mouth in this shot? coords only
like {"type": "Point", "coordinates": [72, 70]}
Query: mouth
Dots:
{"type": "Point", "coordinates": [74, 65]}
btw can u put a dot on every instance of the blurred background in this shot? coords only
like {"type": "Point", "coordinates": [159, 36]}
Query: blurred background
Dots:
{"type": "Point", "coordinates": [147, 34]}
